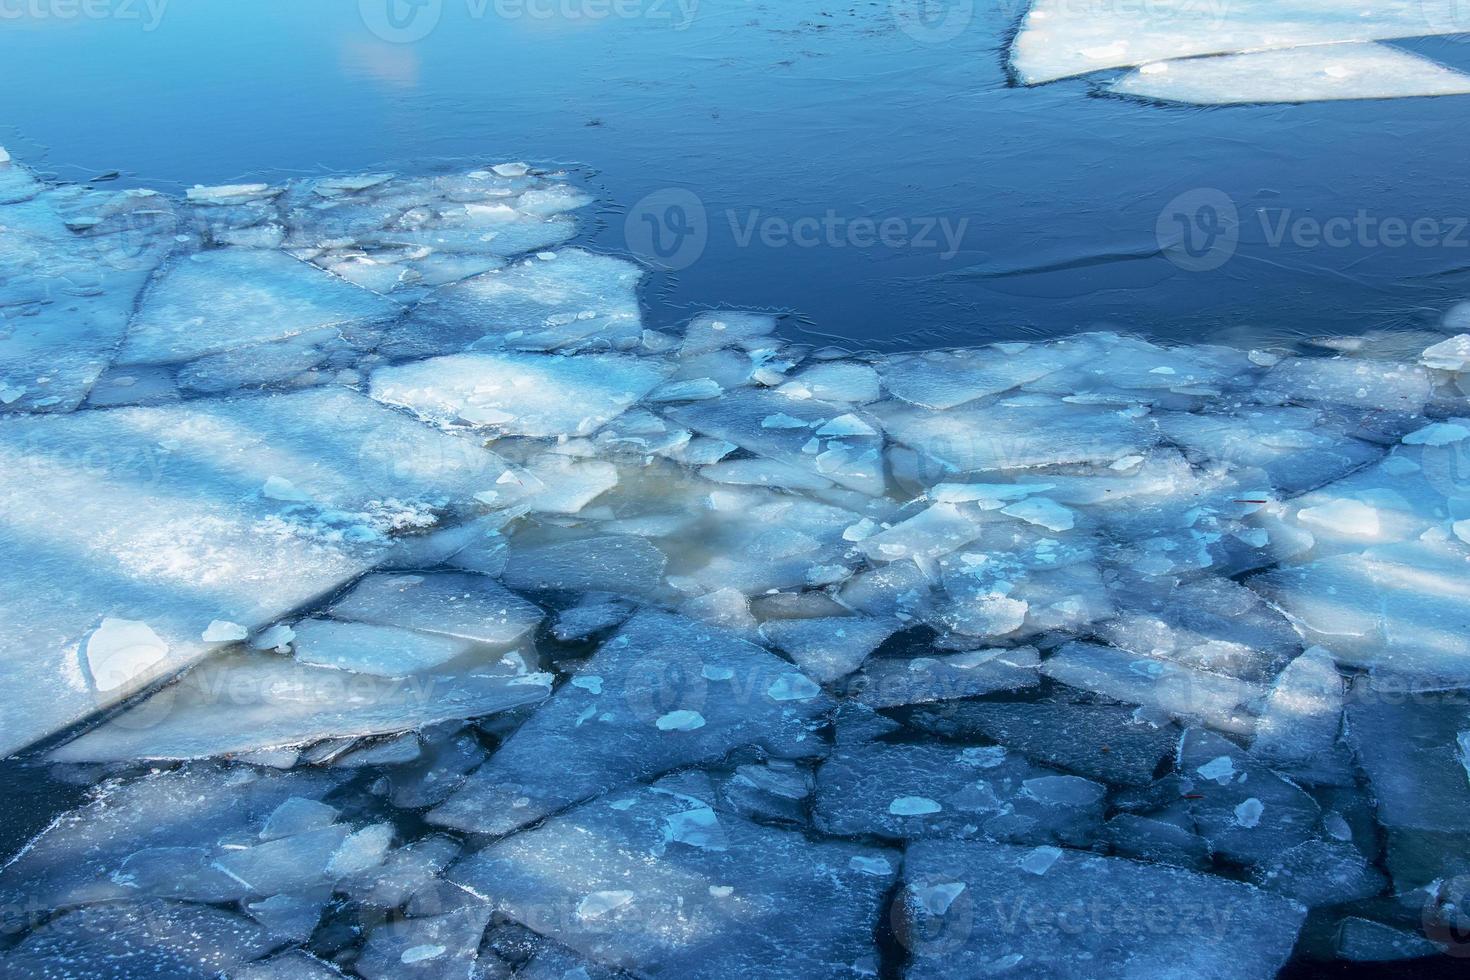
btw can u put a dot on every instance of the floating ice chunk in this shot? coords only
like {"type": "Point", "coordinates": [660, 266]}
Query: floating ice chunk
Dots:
{"type": "Point", "coordinates": [1303, 715]}
{"type": "Point", "coordinates": [934, 531]}
{"type": "Point", "coordinates": [792, 687]}
{"type": "Point", "coordinates": [1248, 814]}
{"type": "Point", "coordinates": [1321, 873]}
{"type": "Point", "coordinates": [121, 651]}
{"type": "Point", "coordinates": [609, 564]}
{"type": "Point", "coordinates": [891, 681]}
{"type": "Point", "coordinates": [437, 946]}
{"type": "Point", "coordinates": [1250, 932]}
{"type": "Point", "coordinates": [944, 379]}
{"type": "Point", "coordinates": [455, 604]}
{"type": "Point", "coordinates": [1437, 434]}
{"type": "Point", "coordinates": [368, 649]}
{"type": "Point", "coordinates": [133, 939]}
{"type": "Point", "coordinates": [1346, 517]}
{"type": "Point", "coordinates": [1302, 74]}
{"type": "Point", "coordinates": [711, 331]}
{"type": "Point", "coordinates": [913, 806]}
{"type": "Point", "coordinates": [1042, 512]}
{"type": "Point", "coordinates": [1103, 742]}
{"type": "Point", "coordinates": [229, 193]}
{"type": "Point", "coordinates": [1448, 355]}
{"type": "Point", "coordinates": [1359, 383]}
{"type": "Point", "coordinates": [223, 631]}
{"type": "Point", "coordinates": [1040, 860]}
{"type": "Point", "coordinates": [651, 668]}
{"type": "Point", "coordinates": [250, 701]}
{"type": "Point", "coordinates": [680, 721]}
{"type": "Point", "coordinates": [218, 300]}
{"type": "Point", "coordinates": [829, 648]}
{"type": "Point", "coordinates": [520, 394]}
{"type": "Point", "coordinates": [580, 301]}
{"type": "Point", "coordinates": [1181, 691]}
{"type": "Point", "coordinates": [909, 792]}
{"type": "Point", "coordinates": [837, 381]}
{"type": "Point", "coordinates": [688, 914]}
{"type": "Point", "coordinates": [1057, 40]}
{"type": "Point", "coordinates": [1363, 940]}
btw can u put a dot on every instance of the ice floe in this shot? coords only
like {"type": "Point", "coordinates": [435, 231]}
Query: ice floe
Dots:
{"type": "Point", "coordinates": [355, 513]}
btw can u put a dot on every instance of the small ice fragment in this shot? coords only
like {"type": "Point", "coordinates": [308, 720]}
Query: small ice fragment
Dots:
{"type": "Point", "coordinates": [717, 673]}
{"type": "Point", "coordinates": [698, 827]}
{"type": "Point", "coordinates": [793, 687]}
{"type": "Point", "coordinates": [121, 650]}
{"type": "Point", "coordinates": [782, 421]}
{"type": "Point", "coordinates": [222, 631]}
{"type": "Point", "coordinates": [1337, 826]}
{"type": "Point", "coordinates": [516, 169]}
{"type": "Point", "coordinates": [1042, 512]}
{"type": "Point", "coordinates": [588, 682]}
{"type": "Point", "coordinates": [280, 488]}
{"type": "Point", "coordinates": [4, 155]}
{"type": "Point", "coordinates": [680, 721]}
{"type": "Point", "coordinates": [1219, 769]}
{"type": "Point", "coordinates": [278, 637]}
{"type": "Point", "coordinates": [721, 891]}
{"type": "Point", "coordinates": [913, 806]}
{"type": "Point", "coordinates": [418, 954]}
{"type": "Point", "coordinates": [1344, 517]}
{"type": "Point", "coordinates": [876, 866]}
{"type": "Point", "coordinates": [1248, 813]}
{"type": "Point", "coordinates": [938, 898]}
{"type": "Point", "coordinates": [1040, 860]}
{"type": "Point", "coordinates": [1437, 434]}
{"type": "Point", "coordinates": [599, 904]}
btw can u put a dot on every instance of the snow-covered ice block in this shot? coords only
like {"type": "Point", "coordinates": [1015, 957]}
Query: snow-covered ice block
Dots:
{"type": "Point", "coordinates": [711, 331]}
{"type": "Point", "coordinates": [662, 693]}
{"type": "Point", "coordinates": [1058, 39]}
{"type": "Point", "coordinates": [163, 520]}
{"type": "Point", "coordinates": [910, 792]}
{"type": "Point", "coordinates": [1303, 74]}
{"type": "Point", "coordinates": [456, 604]}
{"type": "Point", "coordinates": [580, 301]}
{"type": "Point", "coordinates": [970, 908]}
{"type": "Point", "coordinates": [520, 394]}
{"type": "Point", "coordinates": [218, 300]}
{"type": "Point", "coordinates": [246, 702]}
{"type": "Point", "coordinates": [665, 883]}
{"type": "Point", "coordinates": [1355, 382]}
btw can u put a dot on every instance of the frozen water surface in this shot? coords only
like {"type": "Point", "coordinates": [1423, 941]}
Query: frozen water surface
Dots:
{"type": "Point", "coordinates": [385, 597]}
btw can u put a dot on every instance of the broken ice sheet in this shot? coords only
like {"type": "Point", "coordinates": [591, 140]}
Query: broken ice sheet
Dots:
{"type": "Point", "coordinates": [639, 719]}
{"type": "Point", "coordinates": [646, 896]}
{"type": "Point", "coordinates": [236, 510]}
{"type": "Point", "coordinates": [244, 702]}
{"type": "Point", "coordinates": [1302, 74]}
{"type": "Point", "coordinates": [520, 394]}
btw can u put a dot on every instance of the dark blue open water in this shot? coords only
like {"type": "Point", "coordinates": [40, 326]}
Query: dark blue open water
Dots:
{"type": "Point", "coordinates": [769, 113]}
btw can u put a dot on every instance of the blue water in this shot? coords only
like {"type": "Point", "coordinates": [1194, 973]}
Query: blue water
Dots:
{"type": "Point", "coordinates": [773, 112]}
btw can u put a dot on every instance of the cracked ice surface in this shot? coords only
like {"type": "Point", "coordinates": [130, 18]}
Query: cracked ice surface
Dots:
{"type": "Point", "coordinates": [407, 607]}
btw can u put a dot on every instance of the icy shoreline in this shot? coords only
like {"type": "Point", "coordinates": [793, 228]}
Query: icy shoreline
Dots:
{"type": "Point", "coordinates": [703, 652]}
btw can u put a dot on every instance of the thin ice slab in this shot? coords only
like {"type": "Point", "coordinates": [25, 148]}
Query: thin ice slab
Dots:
{"type": "Point", "coordinates": [1310, 74]}
{"type": "Point", "coordinates": [131, 531]}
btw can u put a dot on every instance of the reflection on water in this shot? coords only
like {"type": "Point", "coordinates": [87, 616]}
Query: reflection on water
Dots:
{"type": "Point", "coordinates": [826, 149]}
